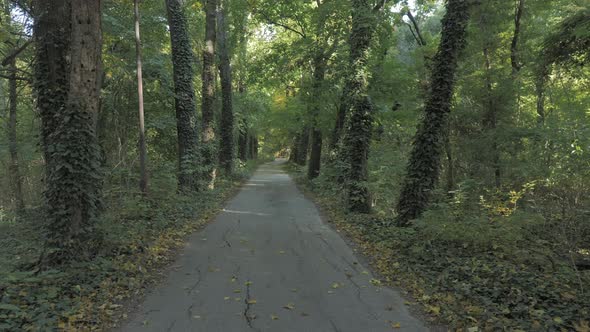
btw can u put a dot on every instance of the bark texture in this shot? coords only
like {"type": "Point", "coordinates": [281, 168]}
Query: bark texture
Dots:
{"type": "Point", "coordinates": [67, 83]}
{"type": "Point", "coordinates": [143, 176]}
{"type": "Point", "coordinates": [209, 150]}
{"type": "Point", "coordinates": [425, 159]}
{"type": "Point", "coordinates": [14, 169]}
{"type": "Point", "coordinates": [226, 152]}
{"type": "Point", "coordinates": [184, 96]}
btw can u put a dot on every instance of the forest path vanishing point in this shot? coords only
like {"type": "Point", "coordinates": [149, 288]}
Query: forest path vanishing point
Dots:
{"type": "Point", "coordinates": [269, 263]}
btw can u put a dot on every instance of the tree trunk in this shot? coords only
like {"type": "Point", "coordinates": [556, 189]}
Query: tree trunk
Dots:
{"type": "Point", "coordinates": [514, 53]}
{"type": "Point", "coordinates": [490, 121]}
{"type": "Point", "coordinates": [209, 149]}
{"type": "Point", "coordinates": [243, 142]}
{"type": "Point", "coordinates": [425, 158]}
{"type": "Point", "coordinates": [67, 83]}
{"type": "Point", "coordinates": [319, 73]}
{"type": "Point", "coordinates": [143, 177]}
{"type": "Point", "coordinates": [184, 96]}
{"type": "Point", "coordinates": [303, 146]}
{"type": "Point", "coordinates": [14, 169]}
{"type": "Point", "coordinates": [357, 135]}
{"type": "Point", "coordinates": [226, 153]}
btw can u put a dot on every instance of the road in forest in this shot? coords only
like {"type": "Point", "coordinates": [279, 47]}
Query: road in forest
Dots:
{"type": "Point", "coordinates": [269, 263]}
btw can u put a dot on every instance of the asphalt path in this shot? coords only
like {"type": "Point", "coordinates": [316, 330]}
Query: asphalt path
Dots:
{"type": "Point", "coordinates": [269, 263]}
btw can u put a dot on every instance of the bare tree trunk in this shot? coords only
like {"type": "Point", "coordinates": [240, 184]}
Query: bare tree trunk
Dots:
{"type": "Point", "coordinates": [15, 176]}
{"type": "Point", "coordinates": [490, 122]}
{"type": "Point", "coordinates": [143, 176]}
{"type": "Point", "coordinates": [67, 81]}
{"type": "Point", "coordinates": [226, 153]}
{"type": "Point", "coordinates": [208, 131]}
{"type": "Point", "coordinates": [514, 53]}
{"type": "Point", "coordinates": [319, 73]}
{"type": "Point", "coordinates": [184, 96]}
{"type": "Point", "coordinates": [425, 159]}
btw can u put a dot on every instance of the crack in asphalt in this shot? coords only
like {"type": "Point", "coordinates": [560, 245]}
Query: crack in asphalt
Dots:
{"type": "Point", "coordinates": [192, 288]}
{"type": "Point", "coordinates": [247, 315]}
{"type": "Point", "coordinates": [334, 326]}
{"type": "Point", "coordinates": [171, 326]}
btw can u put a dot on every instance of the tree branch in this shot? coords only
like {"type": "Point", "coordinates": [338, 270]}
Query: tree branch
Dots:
{"type": "Point", "coordinates": [282, 25]}
{"type": "Point", "coordinates": [16, 52]}
{"type": "Point", "coordinates": [415, 24]}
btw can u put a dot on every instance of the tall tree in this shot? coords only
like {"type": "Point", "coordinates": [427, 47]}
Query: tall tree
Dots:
{"type": "Point", "coordinates": [184, 95]}
{"type": "Point", "coordinates": [425, 158]}
{"type": "Point", "coordinates": [356, 102]}
{"type": "Point", "coordinates": [207, 109]}
{"type": "Point", "coordinates": [143, 176]}
{"type": "Point", "coordinates": [14, 168]}
{"type": "Point", "coordinates": [226, 153]}
{"type": "Point", "coordinates": [67, 82]}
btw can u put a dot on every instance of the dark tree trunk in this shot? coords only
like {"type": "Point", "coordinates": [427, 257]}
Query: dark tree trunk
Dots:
{"type": "Point", "coordinates": [143, 176]}
{"type": "Point", "coordinates": [319, 73]}
{"type": "Point", "coordinates": [425, 159]}
{"type": "Point", "coordinates": [67, 83]}
{"type": "Point", "coordinates": [184, 96]}
{"type": "Point", "coordinates": [226, 153]}
{"type": "Point", "coordinates": [357, 135]}
{"type": "Point", "coordinates": [302, 146]}
{"type": "Point", "coordinates": [14, 169]}
{"type": "Point", "coordinates": [209, 150]}
{"type": "Point", "coordinates": [243, 142]}
{"type": "Point", "coordinates": [343, 110]}
{"type": "Point", "coordinates": [490, 121]}
{"type": "Point", "coordinates": [514, 53]}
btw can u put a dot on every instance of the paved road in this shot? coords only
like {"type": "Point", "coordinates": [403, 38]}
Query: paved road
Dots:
{"type": "Point", "coordinates": [269, 263]}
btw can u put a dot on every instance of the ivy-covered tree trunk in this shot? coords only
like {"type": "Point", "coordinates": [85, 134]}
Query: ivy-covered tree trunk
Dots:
{"type": "Point", "coordinates": [209, 150]}
{"type": "Point", "coordinates": [357, 134]}
{"type": "Point", "coordinates": [184, 96]}
{"type": "Point", "coordinates": [319, 73]}
{"type": "Point", "coordinates": [14, 169]}
{"type": "Point", "coordinates": [226, 153]}
{"type": "Point", "coordinates": [67, 83]}
{"type": "Point", "coordinates": [425, 158]}
{"type": "Point", "coordinates": [302, 146]}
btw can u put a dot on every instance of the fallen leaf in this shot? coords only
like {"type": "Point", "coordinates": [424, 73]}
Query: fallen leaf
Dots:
{"type": "Point", "coordinates": [251, 301]}
{"type": "Point", "coordinates": [289, 306]}
{"type": "Point", "coordinates": [396, 325]}
{"type": "Point", "coordinates": [274, 317]}
{"type": "Point", "coordinates": [248, 283]}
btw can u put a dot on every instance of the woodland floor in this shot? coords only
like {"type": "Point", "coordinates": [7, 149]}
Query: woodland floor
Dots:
{"type": "Point", "coordinates": [269, 263]}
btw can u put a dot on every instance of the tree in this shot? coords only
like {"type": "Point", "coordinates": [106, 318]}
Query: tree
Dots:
{"type": "Point", "coordinates": [143, 177]}
{"type": "Point", "coordinates": [184, 95]}
{"type": "Point", "coordinates": [358, 106]}
{"type": "Point", "coordinates": [67, 82]}
{"type": "Point", "coordinates": [207, 109]}
{"type": "Point", "coordinates": [226, 153]}
{"type": "Point", "coordinates": [425, 158]}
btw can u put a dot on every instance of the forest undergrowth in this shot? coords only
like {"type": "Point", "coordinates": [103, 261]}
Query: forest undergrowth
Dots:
{"type": "Point", "coordinates": [476, 269]}
{"type": "Point", "coordinates": [139, 237]}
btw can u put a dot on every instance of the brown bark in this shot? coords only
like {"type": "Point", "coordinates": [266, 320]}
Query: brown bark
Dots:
{"type": "Point", "coordinates": [67, 81]}
{"type": "Point", "coordinates": [514, 53]}
{"type": "Point", "coordinates": [207, 109]}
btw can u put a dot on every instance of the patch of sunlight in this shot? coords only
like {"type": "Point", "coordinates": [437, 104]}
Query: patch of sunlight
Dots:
{"type": "Point", "coordinates": [247, 212]}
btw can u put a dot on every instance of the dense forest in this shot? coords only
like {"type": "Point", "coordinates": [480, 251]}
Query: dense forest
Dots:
{"type": "Point", "coordinates": [449, 140]}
